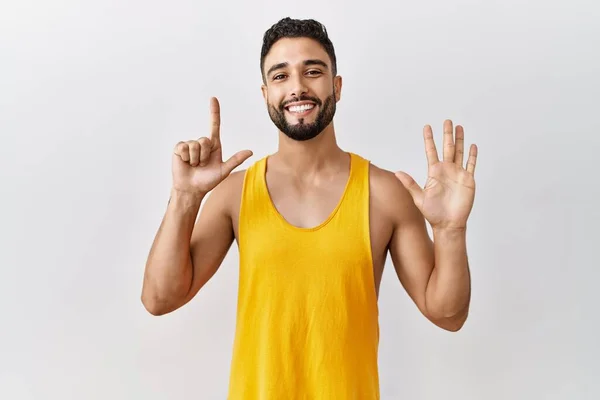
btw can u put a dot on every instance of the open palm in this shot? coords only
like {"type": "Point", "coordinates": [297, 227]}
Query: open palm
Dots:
{"type": "Point", "coordinates": [447, 198]}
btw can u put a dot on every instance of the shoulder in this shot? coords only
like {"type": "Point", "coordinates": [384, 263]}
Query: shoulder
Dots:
{"type": "Point", "coordinates": [228, 192]}
{"type": "Point", "coordinates": [383, 179]}
{"type": "Point", "coordinates": [232, 185]}
{"type": "Point", "coordinates": [235, 180]}
{"type": "Point", "coordinates": [389, 197]}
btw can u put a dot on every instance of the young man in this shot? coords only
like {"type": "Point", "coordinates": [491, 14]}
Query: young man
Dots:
{"type": "Point", "coordinates": [314, 224]}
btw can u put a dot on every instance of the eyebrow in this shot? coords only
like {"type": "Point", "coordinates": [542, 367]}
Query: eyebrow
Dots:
{"type": "Point", "coordinates": [306, 63]}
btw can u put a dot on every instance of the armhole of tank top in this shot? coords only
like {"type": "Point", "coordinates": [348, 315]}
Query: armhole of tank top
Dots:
{"type": "Point", "coordinates": [367, 223]}
{"type": "Point", "coordinates": [367, 219]}
{"type": "Point", "coordinates": [242, 206]}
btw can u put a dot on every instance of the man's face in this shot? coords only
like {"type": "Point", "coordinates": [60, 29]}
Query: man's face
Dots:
{"type": "Point", "coordinates": [300, 91]}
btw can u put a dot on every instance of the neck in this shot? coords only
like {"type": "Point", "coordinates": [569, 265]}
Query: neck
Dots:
{"type": "Point", "coordinates": [310, 156]}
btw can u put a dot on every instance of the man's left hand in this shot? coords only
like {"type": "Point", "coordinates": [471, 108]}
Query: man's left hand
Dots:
{"type": "Point", "coordinates": [447, 198]}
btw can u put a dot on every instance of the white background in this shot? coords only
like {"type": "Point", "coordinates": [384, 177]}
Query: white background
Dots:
{"type": "Point", "coordinates": [94, 95]}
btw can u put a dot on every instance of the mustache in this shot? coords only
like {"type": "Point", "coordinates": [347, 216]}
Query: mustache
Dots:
{"type": "Point", "coordinates": [301, 98]}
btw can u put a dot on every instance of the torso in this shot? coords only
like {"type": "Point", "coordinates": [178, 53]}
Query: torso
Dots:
{"type": "Point", "coordinates": [309, 205]}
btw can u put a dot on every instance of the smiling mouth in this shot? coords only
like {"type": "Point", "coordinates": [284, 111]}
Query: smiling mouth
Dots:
{"type": "Point", "coordinates": [300, 109]}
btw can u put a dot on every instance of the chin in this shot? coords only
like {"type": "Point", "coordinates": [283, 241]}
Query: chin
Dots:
{"type": "Point", "coordinates": [301, 122]}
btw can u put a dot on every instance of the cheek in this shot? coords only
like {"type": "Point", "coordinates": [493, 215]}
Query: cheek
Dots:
{"type": "Point", "coordinates": [276, 102]}
{"type": "Point", "coordinates": [273, 98]}
{"type": "Point", "coordinates": [326, 90]}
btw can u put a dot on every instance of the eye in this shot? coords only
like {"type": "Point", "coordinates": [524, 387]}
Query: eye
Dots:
{"type": "Point", "coordinates": [314, 72]}
{"type": "Point", "coordinates": [278, 77]}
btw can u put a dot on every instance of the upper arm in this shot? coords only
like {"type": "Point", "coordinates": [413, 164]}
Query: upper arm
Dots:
{"type": "Point", "coordinates": [213, 235]}
{"type": "Point", "coordinates": [410, 247]}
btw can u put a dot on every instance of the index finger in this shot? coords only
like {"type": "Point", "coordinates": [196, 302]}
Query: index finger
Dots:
{"type": "Point", "coordinates": [215, 119]}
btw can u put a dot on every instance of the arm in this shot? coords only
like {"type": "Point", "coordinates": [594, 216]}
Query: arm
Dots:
{"type": "Point", "coordinates": [434, 274]}
{"type": "Point", "coordinates": [437, 274]}
{"type": "Point", "coordinates": [185, 254]}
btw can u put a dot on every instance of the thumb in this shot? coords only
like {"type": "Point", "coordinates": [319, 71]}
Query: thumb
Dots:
{"type": "Point", "coordinates": [413, 187]}
{"type": "Point", "coordinates": [236, 160]}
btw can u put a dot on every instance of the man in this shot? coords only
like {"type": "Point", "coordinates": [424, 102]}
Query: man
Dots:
{"type": "Point", "coordinates": [314, 225]}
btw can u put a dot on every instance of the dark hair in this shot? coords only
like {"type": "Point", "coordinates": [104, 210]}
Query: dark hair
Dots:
{"type": "Point", "coordinates": [296, 28]}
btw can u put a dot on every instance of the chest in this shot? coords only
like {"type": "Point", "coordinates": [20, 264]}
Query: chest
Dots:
{"type": "Point", "coordinates": [306, 206]}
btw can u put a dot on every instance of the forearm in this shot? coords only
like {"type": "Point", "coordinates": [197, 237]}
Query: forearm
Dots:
{"type": "Point", "coordinates": [169, 270]}
{"type": "Point", "coordinates": [449, 288]}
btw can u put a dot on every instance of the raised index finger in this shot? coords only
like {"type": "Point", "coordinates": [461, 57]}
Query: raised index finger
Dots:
{"type": "Point", "coordinates": [215, 119]}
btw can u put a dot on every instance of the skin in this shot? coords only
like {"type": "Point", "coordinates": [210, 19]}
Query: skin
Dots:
{"type": "Point", "coordinates": [306, 179]}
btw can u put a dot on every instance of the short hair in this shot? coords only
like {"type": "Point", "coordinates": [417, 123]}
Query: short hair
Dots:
{"type": "Point", "coordinates": [296, 28]}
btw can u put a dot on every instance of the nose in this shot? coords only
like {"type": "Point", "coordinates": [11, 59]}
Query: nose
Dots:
{"type": "Point", "coordinates": [298, 86]}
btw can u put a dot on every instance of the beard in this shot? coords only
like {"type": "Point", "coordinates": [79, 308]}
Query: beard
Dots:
{"type": "Point", "coordinates": [304, 131]}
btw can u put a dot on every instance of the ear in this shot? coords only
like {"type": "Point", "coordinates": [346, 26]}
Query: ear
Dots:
{"type": "Point", "coordinates": [265, 94]}
{"type": "Point", "coordinates": [337, 87]}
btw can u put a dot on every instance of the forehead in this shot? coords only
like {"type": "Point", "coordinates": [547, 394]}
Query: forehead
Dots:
{"type": "Point", "coordinates": [294, 51]}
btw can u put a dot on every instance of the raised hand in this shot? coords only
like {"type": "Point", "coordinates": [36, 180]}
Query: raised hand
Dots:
{"type": "Point", "coordinates": [448, 195]}
{"type": "Point", "coordinates": [198, 165]}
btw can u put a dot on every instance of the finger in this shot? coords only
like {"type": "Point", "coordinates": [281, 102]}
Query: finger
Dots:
{"type": "Point", "coordinates": [430, 149]}
{"type": "Point", "coordinates": [449, 147]}
{"type": "Point", "coordinates": [472, 161]}
{"type": "Point", "coordinates": [215, 119]}
{"type": "Point", "coordinates": [182, 150]}
{"type": "Point", "coordinates": [205, 150]}
{"type": "Point", "coordinates": [236, 160]}
{"type": "Point", "coordinates": [194, 152]}
{"type": "Point", "coordinates": [413, 187]}
{"type": "Point", "coordinates": [460, 146]}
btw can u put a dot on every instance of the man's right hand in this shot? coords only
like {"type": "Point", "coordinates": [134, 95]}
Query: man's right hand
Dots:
{"type": "Point", "coordinates": [198, 165]}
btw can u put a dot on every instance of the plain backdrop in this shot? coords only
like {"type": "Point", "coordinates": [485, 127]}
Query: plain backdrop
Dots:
{"type": "Point", "coordinates": [95, 94]}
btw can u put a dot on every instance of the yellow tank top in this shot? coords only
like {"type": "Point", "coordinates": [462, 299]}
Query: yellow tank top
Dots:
{"type": "Point", "coordinates": [307, 316]}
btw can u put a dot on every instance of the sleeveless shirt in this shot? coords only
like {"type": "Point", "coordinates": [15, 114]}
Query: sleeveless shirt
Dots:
{"type": "Point", "coordinates": [307, 315]}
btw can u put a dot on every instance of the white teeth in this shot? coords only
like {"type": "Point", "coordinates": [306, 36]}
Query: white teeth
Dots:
{"type": "Point", "coordinates": [302, 108]}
